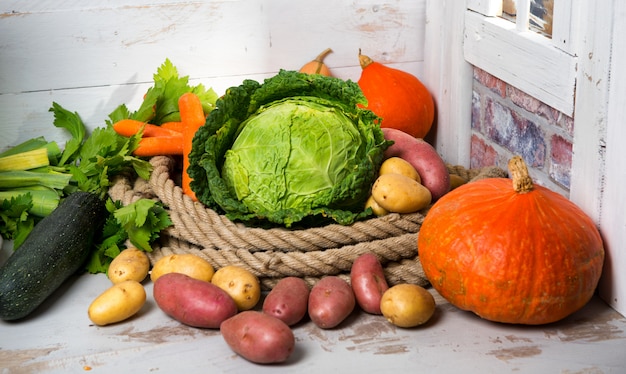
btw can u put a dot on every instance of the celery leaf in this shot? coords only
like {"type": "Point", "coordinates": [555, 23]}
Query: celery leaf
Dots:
{"type": "Point", "coordinates": [72, 123]}
{"type": "Point", "coordinates": [160, 104]}
{"type": "Point", "coordinates": [15, 222]}
{"type": "Point", "coordinates": [139, 223]}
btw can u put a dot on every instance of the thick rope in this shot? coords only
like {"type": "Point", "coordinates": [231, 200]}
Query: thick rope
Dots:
{"type": "Point", "coordinates": [272, 254]}
{"type": "Point", "coordinates": [270, 267]}
{"type": "Point", "coordinates": [199, 225]}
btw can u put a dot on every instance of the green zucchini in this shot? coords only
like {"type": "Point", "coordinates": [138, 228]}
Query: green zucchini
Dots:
{"type": "Point", "coordinates": [56, 248]}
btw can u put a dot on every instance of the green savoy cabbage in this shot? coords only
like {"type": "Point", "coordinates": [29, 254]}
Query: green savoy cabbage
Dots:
{"type": "Point", "coordinates": [295, 149]}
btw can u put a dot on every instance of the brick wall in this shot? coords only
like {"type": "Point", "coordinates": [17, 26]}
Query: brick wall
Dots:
{"type": "Point", "coordinates": [507, 122]}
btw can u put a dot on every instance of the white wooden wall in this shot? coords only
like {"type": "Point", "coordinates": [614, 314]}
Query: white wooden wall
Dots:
{"type": "Point", "coordinates": [92, 56]}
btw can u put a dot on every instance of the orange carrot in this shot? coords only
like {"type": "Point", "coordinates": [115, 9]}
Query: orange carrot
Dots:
{"type": "Point", "coordinates": [192, 116]}
{"type": "Point", "coordinates": [129, 127]}
{"type": "Point", "coordinates": [174, 125]}
{"type": "Point", "coordinates": [160, 146]}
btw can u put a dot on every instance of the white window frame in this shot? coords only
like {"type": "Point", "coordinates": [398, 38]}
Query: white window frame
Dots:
{"type": "Point", "coordinates": [599, 158]}
{"type": "Point", "coordinates": [543, 67]}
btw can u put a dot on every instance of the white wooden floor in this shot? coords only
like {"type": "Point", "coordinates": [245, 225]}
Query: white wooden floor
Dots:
{"type": "Point", "coordinates": [59, 337]}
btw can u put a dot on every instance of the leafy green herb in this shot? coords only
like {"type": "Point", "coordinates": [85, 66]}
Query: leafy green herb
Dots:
{"type": "Point", "coordinates": [120, 113]}
{"type": "Point", "coordinates": [161, 102]}
{"type": "Point", "coordinates": [140, 223]}
{"type": "Point", "coordinates": [72, 123]}
{"type": "Point", "coordinates": [31, 189]}
{"type": "Point", "coordinates": [90, 161]}
{"type": "Point", "coordinates": [15, 221]}
{"type": "Point", "coordinates": [106, 154]}
{"type": "Point", "coordinates": [143, 220]}
{"type": "Point", "coordinates": [87, 163]}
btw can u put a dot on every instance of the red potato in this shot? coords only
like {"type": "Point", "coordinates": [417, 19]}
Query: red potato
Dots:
{"type": "Point", "coordinates": [288, 300]}
{"type": "Point", "coordinates": [330, 302]}
{"type": "Point", "coordinates": [192, 301]}
{"type": "Point", "coordinates": [424, 158]}
{"type": "Point", "coordinates": [258, 337]}
{"type": "Point", "coordinates": [368, 282]}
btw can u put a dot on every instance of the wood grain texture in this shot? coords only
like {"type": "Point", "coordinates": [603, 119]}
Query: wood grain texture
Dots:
{"type": "Point", "coordinates": [591, 341]}
{"type": "Point", "coordinates": [91, 58]}
{"type": "Point", "coordinates": [613, 213]}
{"type": "Point", "coordinates": [449, 77]}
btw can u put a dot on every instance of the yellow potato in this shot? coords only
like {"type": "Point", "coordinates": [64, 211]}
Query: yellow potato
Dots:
{"type": "Point", "coordinates": [130, 264]}
{"type": "Point", "coordinates": [376, 208]}
{"type": "Point", "coordinates": [243, 286]}
{"type": "Point", "coordinates": [398, 165]}
{"type": "Point", "coordinates": [407, 305]}
{"type": "Point", "coordinates": [189, 264]}
{"type": "Point", "coordinates": [121, 301]}
{"type": "Point", "coordinates": [400, 194]}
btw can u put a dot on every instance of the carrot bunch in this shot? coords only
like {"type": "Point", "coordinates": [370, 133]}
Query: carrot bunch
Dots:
{"type": "Point", "coordinates": [155, 140]}
{"type": "Point", "coordinates": [170, 138]}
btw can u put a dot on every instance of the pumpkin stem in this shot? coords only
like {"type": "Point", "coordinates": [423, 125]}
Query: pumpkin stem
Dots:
{"type": "Point", "coordinates": [320, 59]}
{"type": "Point", "coordinates": [321, 56]}
{"type": "Point", "coordinates": [522, 182]}
{"type": "Point", "coordinates": [364, 60]}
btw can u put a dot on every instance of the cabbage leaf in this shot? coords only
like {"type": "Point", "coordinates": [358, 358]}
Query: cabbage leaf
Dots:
{"type": "Point", "coordinates": [295, 149]}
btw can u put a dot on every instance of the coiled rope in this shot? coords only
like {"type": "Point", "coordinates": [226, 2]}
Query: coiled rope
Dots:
{"type": "Point", "coordinates": [272, 254]}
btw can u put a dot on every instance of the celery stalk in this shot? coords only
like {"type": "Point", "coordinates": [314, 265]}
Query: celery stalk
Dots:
{"type": "Point", "coordinates": [25, 160]}
{"type": "Point", "coordinates": [28, 145]}
{"type": "Point", "coordinates": [24, 178]}
{"type": "Point", "coordinates": [54, 152]}
{"type": "Point", "coordinates": [45, 200]}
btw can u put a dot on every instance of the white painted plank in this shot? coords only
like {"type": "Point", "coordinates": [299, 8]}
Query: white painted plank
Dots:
{"type": "Point", "coordinates": [19, 6]}
{"type": "Point", "coordinates": [613, 214]}
{"type": "Point", "coordinates": [525, 60]}
{"type": "Point", "coordinates": [488, 8]}
{"type": "Point", "coordinates": [590, 122]}
{"type": "Point", "coordinates": [121, 45]}
{"type": "Point", "coordinates": [449, 77]}
{"type": "Point", "coordinates": [565, 27]}
{"type": "Point", "coordinates": [91, 59]}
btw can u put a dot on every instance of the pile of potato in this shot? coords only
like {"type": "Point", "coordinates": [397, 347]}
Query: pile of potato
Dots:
{"type": "Point", "coordinates": [398, 189]}
{"type": "Point", "coordinates": [187, 288]}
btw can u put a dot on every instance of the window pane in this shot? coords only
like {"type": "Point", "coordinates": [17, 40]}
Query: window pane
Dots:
{"type": "Point", "coordinates": [540, 14]}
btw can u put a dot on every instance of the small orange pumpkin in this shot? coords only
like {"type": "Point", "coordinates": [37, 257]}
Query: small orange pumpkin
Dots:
{"type": "Point", "coordinates": [399, 98]}
{"type": "Point", "coordinates": [317, 65]}
{"type": "Point", "coordinates": [511, 252]}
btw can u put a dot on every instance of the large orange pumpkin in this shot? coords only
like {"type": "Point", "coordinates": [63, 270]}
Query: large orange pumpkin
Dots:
{"type": "Point", "coordinates": [511, 251]}
{"type": "Point", "coordinates": [399, 98]}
